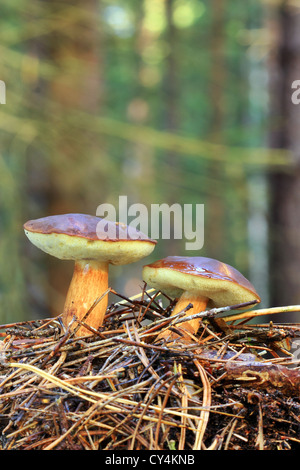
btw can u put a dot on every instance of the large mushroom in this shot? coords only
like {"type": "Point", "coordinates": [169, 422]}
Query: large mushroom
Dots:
{"type": "Point", "coordinates": [93, 243]}
{"type": "Point", "coordinates": [198, 281]}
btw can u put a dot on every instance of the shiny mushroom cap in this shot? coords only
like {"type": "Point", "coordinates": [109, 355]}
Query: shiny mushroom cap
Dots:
{"type": "Point", "coordinates": [219, 282]}
{"type": "Point", "coordinates": [86, 237]}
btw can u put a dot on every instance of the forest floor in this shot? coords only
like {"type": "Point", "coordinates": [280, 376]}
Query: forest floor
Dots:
{"type": "Point", "coordinates": [234, 385]}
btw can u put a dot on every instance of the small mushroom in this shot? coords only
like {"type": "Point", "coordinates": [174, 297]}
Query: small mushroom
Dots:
{"type": "Point", "coordinates": [93, 245]}
{"type": "Point", "coordinates": [198, 281]}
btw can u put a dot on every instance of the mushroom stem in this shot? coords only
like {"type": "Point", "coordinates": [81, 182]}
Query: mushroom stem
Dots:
{"type": "Point", "coordinates": [89, 282]}
{"type": "Point", "coordinates": [199, 304]}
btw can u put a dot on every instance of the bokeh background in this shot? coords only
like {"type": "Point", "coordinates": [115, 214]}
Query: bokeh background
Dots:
{"type": "Point", "coordinates": [164, 101]}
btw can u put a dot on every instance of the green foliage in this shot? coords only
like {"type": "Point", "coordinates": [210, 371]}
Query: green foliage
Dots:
{"type": "Point", "coordinates": [118, 98]}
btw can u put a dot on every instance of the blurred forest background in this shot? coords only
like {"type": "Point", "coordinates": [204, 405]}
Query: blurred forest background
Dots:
{"type": "Point", "coordinates": [164, 101]}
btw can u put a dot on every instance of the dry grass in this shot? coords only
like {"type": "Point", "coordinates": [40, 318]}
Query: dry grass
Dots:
{"type": "Point", "coordinates": [234, 386]}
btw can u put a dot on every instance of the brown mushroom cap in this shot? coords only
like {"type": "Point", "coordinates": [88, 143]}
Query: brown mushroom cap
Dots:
{"type": "Point", "coordinates": [79, 237]}
{"type": "Point", "coordinates": [219, 282]}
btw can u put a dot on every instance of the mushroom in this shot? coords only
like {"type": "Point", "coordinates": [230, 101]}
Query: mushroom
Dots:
{"type": "Point", "coordinates": [93, 243]}
{"type": "Point", "coordinates": [198, 281]}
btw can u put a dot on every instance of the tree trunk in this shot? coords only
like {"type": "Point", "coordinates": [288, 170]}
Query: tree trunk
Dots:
{"type": "Point", "coordinates": [77, 171]}
{"type": "Point", "coordinates": [171, 90]}
{"type": "Point", "coordinates": [285, 185]}
{"type": "Point", "coordinates": [215, 212]}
